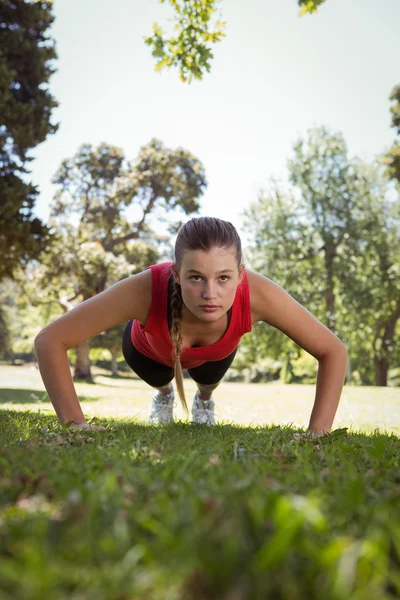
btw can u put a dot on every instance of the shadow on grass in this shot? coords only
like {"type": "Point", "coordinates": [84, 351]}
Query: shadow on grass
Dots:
{"type": "Point", "coordinates": [24, 396]}
{"type": "Point", "coordinates": [113, 380]}
{"type": "Point", "coordinates": [121, 376]}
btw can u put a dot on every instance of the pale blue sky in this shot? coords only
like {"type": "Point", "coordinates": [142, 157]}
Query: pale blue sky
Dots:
{"type": "Point", "coordinates": [272, 77]}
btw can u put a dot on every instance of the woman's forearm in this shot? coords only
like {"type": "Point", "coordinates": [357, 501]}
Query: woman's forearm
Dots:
{"type": "Point", "coordinates": [330, 381]}
{"type": "Point", "coordinates": [56, 374]}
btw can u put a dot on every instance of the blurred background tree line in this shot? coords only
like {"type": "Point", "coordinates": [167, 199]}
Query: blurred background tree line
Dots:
{"type": "Point", "coordinates": [332, 240]}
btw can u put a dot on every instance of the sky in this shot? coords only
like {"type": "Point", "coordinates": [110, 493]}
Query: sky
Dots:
{"type": "Point", "coordinates": [273, 76]}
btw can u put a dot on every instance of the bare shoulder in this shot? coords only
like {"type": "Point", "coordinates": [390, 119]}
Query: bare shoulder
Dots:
{"type": "Point", "coordinates": [127, 299]}
{"type": "Point", "coordinates": [271, 304]}
{"type": "Point", "coordinates": [259, 287]}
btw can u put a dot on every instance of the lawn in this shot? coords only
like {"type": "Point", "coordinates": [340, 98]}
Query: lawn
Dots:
{"type": "Point", "coordinates": [237, 511]}
{"type": "Point", "coordinates": [126, 397]}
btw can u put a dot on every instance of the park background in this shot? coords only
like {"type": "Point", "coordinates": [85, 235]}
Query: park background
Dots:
{"type": "Point", "coordinates": [292, 135]}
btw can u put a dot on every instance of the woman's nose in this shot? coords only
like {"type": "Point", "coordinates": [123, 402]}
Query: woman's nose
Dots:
{"type": "Point", "coordinates": [209, 291]}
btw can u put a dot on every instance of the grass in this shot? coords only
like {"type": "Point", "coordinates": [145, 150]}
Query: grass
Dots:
{"type": "Point", "coordinates": [191, 512]}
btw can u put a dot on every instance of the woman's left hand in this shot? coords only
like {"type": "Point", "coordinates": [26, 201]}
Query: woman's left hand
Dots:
{"type": "Point", "coordinates": [310, 434]}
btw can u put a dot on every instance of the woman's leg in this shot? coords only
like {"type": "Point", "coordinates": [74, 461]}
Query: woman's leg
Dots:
{"type": "Point", "coordinates": [166, 389]}
{"type": "Point", "coordinates": [156, 375]}
{"type": "Point", "coordinates": [205, 391]}
{"type": "Point", "coordinates": [153, 373]}
{"type": "Point", "coordinates": [208, 376]}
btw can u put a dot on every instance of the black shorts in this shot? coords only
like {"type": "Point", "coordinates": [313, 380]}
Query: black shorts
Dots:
{"type": "Point", "coordinates": [158, 375]}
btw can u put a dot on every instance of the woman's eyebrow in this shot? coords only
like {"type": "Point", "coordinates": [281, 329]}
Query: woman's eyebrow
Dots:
{"type": "Point", "coordinates": [217, 273]}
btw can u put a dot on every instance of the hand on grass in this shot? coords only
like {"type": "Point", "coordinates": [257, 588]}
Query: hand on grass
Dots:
{"type": "Point", "coordinates": [85, 425]}
{"type": "Point", "coordinates": [317, 433]}
{"type": "Point", "coordinates": [309, 435]}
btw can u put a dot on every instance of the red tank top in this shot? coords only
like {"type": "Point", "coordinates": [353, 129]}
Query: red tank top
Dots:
{"type": "Point", "coordinates": [154, 340]}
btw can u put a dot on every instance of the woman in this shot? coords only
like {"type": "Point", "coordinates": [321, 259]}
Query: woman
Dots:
{"type": "Point", "coordinates": [190, 314]}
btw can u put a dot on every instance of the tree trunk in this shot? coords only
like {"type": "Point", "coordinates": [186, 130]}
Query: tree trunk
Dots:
{"type": "Point", "coordinates": [82, 364]}
{"type": "Point", "coordinates": [381, 359]}
{"type": "Point", "coordinates": [287, 370]}
{"type": "Point", "coordinates": [330, 253]}
{"type": "Point", "coordinates": [114, 364]}
{"type": "Point", "coordinates": [348, 368]}
{"type": "Point", "coordinates": [381, 370]}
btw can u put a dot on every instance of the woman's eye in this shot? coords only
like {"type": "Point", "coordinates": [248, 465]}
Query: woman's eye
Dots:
{"type": "Point", "coordinates": [198, 277]}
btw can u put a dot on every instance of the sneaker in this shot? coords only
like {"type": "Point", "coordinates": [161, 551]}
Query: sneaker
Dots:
{"type": "Point", "coordinates": [203, 411]}
{"type": "Point", "coordinates": [162, 408]}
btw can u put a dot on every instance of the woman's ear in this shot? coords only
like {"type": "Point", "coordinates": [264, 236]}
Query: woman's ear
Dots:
{"type": "Point", "coordinates": [175, 273]}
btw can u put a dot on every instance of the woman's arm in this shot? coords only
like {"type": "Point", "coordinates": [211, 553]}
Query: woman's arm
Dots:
{"type": "Point", "coordinates": [125, 300]}
{"type": "Point", "coordinates": [273, 305]}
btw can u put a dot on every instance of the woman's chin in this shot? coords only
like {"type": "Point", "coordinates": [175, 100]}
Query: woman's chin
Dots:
{"type": "Point", "coordinates": [210, 315]}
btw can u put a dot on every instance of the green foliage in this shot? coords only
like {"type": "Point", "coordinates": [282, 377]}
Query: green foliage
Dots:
{"type": "Point", "coordinates": [335, 247]}
{"type": "Point", "coordinates": [94, 188]}
{"type": "Point", "coordinates": [189, 50]}
{"type": "Point", "coordinates": [395, 109]}
{"type": "Point", "coordinates": [309, 6]}
{"type": "Point", "coordinates": [26, 55]}
{"type": "Point", "coordinates": [186, 511]}
{"type": "Point", "coordinates": [392, 158]}
{"type": "Point", "coordinates": [22, 321]}
{"type": "Point", "coordinates": [304, 369]}
{"type": "Point", "coordinates": [98, 183]}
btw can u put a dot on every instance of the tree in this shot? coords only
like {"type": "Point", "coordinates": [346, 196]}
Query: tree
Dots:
{"type": "Point", "coordinates": [327, 181]}
{"type": "Point", "coordinates": [5, 342]}
{"type": "Point", "coordinates": [26, 54]}
{"type": "Point", "coordinates": [336, 249]}
{"type": "Point", "coordinates": [189, 50]}
{"type": "Point", "coordinates": [21, 321]}
{"type": "Point", "coordinates": [95, 188]}
{"type": "Point", "coordinates": [283, 246]}
{"type": "Point", "coordinates": [309, 6]}
{"type": "Point", "coordinates": [392, 159]}
{"type": "Point", "coordinates": [368, 278]}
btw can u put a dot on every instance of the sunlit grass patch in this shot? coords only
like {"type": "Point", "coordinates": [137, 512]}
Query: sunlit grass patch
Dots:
{"type": "Point", "coordinates": [189, 511]}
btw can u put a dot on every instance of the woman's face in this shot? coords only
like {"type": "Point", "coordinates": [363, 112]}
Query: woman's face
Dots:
{"type": "Point", "coordinates": [208, 281]}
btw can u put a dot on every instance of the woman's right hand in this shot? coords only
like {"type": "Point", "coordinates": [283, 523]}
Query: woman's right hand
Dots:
{"type": "Point", "coordinates": [89, 426]}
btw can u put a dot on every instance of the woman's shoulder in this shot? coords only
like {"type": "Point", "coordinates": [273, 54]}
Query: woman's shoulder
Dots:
{"type": "Point", "coordinates": [127, 299]}
{"type": "Point", "coordinates": [258, 283]}
{"type": "Point", "coordinates": [260, 288]}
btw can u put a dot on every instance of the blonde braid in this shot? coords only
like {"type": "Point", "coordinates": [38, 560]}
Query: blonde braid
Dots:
{"type": "Point", "coordinates": [176, 336]}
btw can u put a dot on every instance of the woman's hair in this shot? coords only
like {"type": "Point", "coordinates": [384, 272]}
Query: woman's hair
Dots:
{"type": "Point", "coordinates": [200, 233]}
